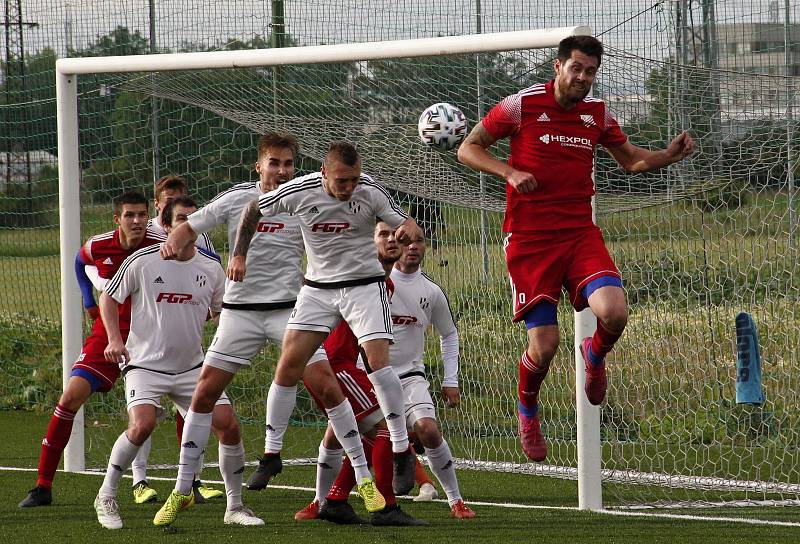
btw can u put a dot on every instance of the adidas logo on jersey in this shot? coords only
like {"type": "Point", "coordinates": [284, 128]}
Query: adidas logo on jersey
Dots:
{"type": "Point", "coordinates": [313, 210]}
{"type": "Point", "coordinates": [543, 117]}
{"type": "Point", "coordinates": [158, 280]}
{"type": "Point", "coordinates": [588, 120]}
{"type": "Point", "coordinates": [108, 261]}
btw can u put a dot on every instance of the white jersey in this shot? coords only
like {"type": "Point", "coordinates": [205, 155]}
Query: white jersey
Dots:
{"type": "Point", "coordinates": [416, 303]}
{"type": "Point", "coordinates": [169, 305]}
{"type": "Point", "coordinates": [337, 235]}
{"type": "Point", "coordinates": [275, 256]}
{"type": "Point", "coordinates": [154, 226]}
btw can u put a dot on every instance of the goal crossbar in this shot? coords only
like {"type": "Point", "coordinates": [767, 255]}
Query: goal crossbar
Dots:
{"type": "Point", "coordinates": [318, 54]}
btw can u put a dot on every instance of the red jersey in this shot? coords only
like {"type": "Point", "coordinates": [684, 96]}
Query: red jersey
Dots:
{"type": "Point", "coordinates": [557, 146]}
{"type": "Point", "coordinates": [105, 252]}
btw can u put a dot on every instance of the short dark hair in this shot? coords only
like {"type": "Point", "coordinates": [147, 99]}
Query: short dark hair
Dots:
{"type": "Point", "coordinates": [277, 139]}
{"type": "Point", "coordinates": [171, 182]}
{"type": "Point", "coordinates": [166, 213]}
{"type": "Point", "coordinates": [131, 197]}
{"type": "Point", "coordinates": [344, 152]}
{"type": "Point", "coordinates": [588, 45]}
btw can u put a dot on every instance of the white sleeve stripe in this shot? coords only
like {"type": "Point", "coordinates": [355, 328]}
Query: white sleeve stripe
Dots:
{"type": "Point", "coordinates": [113, 284]}
{"type": "Point", "coordinates": [264, 200]}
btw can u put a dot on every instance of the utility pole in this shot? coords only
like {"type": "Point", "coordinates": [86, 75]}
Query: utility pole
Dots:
{"type": "Point", "coordinates": [154, 106]}
{"type": "Point", "coordinates": [277, 38]}
{"type": "Point", "coordinates": [15, 145]}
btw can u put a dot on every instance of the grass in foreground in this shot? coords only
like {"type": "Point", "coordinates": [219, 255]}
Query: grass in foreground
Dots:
{"type": "Point", "coordinates": [72, 517]}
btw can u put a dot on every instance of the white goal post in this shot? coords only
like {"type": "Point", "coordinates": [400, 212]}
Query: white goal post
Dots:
{"type": "Point", "coordinates": [69, 171]}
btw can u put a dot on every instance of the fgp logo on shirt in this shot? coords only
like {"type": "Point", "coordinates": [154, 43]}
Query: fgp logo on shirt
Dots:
{"type": "Point", "coordinates": [330, 227]}
{"type": "Point", "coordinates": [266, 226]}
{"type": "Point", "coordinates": [175, 298]}
{"type": "Point", "coordinates": [403, 319]}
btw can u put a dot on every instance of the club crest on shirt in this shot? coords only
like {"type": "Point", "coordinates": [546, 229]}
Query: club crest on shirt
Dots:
{"type": "Point", "coordinates": [355, 207]}
{"type": "Point", "coordinates": [200, 279]}
{"type": "Point", "coordinates": [588, 120]}
{"type": "Point", "coordinates": [424, 303]}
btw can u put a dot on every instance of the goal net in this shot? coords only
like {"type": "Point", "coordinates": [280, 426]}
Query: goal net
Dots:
{"type": "Point", "coordinates": [696, 244]}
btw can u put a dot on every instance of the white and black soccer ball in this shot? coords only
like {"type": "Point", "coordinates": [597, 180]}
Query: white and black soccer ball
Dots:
{"type": "Point", "coordinates": [442, 125]}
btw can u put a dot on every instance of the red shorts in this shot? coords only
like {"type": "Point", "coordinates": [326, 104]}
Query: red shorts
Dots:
{"type": "Point", "coordinates": [92, 360]}
{"type": "Point", "coordinates": [356, 388]}
{"type": "Point", "coordinates": [540, 264]}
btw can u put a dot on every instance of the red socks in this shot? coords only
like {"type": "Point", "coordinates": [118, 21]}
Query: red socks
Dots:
{"type": "Point", "coordinates": [603, 341]}
{"type": "Point", "coordinates": [531, 377]}
{"type": "Point", "coordinates": [55, 440]}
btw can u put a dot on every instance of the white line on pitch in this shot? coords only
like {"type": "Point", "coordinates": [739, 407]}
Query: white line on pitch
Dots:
{"type": "Point", "coordinates": [685, 517]}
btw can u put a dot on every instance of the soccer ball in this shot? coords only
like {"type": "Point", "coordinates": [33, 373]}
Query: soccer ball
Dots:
{"type": "Point", "coordinates": [442, 125]}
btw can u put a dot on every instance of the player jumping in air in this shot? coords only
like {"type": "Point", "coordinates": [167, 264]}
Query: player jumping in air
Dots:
{"type": "Point", "coordinates": [551, 240]}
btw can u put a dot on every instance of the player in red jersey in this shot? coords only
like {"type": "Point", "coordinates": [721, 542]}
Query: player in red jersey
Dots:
{"type": "Point", "coordinates": [91, 372]}
{"type": "Point", "coordinates": [551, 239]}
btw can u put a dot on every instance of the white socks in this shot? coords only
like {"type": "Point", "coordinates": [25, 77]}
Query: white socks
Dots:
{"type": "Point", "coordinates": [196, 429]}
{"type": "Point", "coordinates": [345, 427]}
{"type": "Point", "coordinates": [231, 465]}
{"type": "Point", "coordinates": [441, 462]}
{"type": "Point", "coordinates": [389, 391]}
{"type": "Point", "coordinates": [122, 454]}
{"type": "Point", "coordinates": [329, 463]}
{"type": "Point", "coordinates": [139, 465]}
{"type": "Point", "coordinates": [280, 405]}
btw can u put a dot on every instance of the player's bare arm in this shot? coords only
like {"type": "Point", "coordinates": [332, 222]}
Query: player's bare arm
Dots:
{"type": "Point", "coordinates": [178, 239]}
{"type": "Point", "coordinates": [474, 153]}
{"type": "Point", "coordinates": [115, 350]}
{"type": "Point", "coordinates": [248, 224]}
{"type": "Point", "coordinates": [636, 159]}
{"type": "Point", "coordinates": [408, 231]}
{"type": "Point", "coordinates": [452, 396]}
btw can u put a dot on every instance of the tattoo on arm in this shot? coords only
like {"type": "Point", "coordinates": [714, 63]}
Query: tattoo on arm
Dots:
{"type": "Point", "coordinates": [247, 228]}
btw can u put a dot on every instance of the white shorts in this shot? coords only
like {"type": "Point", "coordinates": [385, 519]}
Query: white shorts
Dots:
{"type": "Point", "coordinates": [364, 307]}
{"type": "Point", "coordinates": [242, 333]}
{"type": "Point", "coordinates": [147, 387]}
{"type": "Point", "coordinates": [419, 403]}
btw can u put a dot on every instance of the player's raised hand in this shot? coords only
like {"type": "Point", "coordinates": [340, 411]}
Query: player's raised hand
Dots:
{"type": "Point", "coordinates": [680, 147]}
{"type": "Point", "coordinates": [522, 182]}
{"type": "Point", "coordinates": [452, 396]}
{"type": "Point", "coordinates": [168, 251]}
{"type": "Point", "coordinates": [237, 268]}
{"type": "Point", "coordinates": [116, 352]}
{"type": "Point", "coordinates": [408, 231]}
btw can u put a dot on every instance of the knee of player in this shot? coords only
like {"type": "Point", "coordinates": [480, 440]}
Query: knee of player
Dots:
{"type": "Point", "coordinates": [228, 431]}
{"type": "Point", "coordinates": [615, 318]}
{"type": "Point", "coordinates": [330, 393]}
{"type": "Point", "coordinates": [138, 431]}
{"type": "Point", "coordinates": [428, 432]}
{"type": "Point", "coordinates": [542, 351]}
{"type": "Point", "coordinates": [75, 395]}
